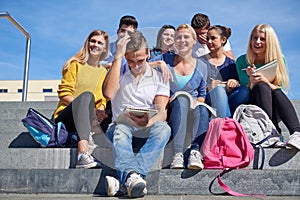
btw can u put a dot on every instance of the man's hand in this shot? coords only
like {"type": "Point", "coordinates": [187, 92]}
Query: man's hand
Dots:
{"type": "Point", "coordinates": [121, 46]}
{"type": "Point", "coordinates": [140, 120]}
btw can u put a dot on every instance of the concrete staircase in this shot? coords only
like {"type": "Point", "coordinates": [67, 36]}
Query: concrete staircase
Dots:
{"type": "Point", "coordinates": [25, 167]}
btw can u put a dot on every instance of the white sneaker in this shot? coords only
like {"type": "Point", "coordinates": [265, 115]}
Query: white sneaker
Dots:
{"type": "Point", "coordinates": [194, 161]}
{"type": "Point", "coordinates": [136, 186]}
{"type": "Point", "coordinates": [87, 161]}
{"type": "Point", "coordinates": [178, 161]}
{"type": "Point", "coordinates": [113, 187]}
{"type": "Point", "coordinates": [294, 140]}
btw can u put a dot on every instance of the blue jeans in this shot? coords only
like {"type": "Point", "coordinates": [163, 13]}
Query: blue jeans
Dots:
{"type": "Point", "coordinates": [126, 161]}
{"type": "Point", "coordinates": [226, 105]}
{"type": "Point", "coordinates": [240, 95]}
{"type": "Point", "coordinates": [178, 115]}
{"type": "Point", "coordinates": [218, 99]}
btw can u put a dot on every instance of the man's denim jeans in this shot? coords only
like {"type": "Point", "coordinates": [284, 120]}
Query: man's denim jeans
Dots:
{"type": "Point", "coordinates": [125, 159]}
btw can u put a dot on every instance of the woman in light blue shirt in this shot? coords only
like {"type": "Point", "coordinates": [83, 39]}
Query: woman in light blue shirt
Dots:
{"type": "Point", "coordinates": [190, 76]}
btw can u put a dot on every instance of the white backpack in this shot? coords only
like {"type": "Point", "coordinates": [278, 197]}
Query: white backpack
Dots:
{"type": "Point", "coordinates": [258, 126]}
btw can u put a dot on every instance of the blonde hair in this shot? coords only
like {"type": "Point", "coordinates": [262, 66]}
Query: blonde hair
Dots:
{"type": "Point", "coordinates": [273, 51]}
{"type": "Point", "coordinates": [83, 54]}
{"type": "Point", "coordinates": [187, 26]}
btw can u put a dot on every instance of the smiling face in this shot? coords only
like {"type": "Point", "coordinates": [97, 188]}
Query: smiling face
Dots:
{"type": "Point", "coordinates": [215, 40]}
{"type": "Point", "coordinates": [184, 40]}
{"type": "Point", "coordinates": [258, 42]}
{"type": "Point", "coordinates": [97, 45]}
{"type": "Point", "coordinates": [167, 38]}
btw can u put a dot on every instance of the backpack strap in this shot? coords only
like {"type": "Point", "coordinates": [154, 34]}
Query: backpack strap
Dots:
{"type": "Point", "coordinates": [259, 145]}
{"type": "Point", "coordinates": [231, 192]}
{"type": "Point", "coordinates": [59, 124]}
{"type": "Point", "coordinates": [263, 155]}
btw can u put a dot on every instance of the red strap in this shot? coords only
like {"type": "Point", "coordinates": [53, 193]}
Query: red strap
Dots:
{"type": "Point", "coordinates": [233, 193]}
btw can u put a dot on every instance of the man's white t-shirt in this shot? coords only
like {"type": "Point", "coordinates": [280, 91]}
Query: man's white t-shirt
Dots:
{"type": "Point", "coordinates": [139, 94]}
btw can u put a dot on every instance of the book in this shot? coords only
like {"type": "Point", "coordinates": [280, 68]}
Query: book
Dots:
{"type": "Point", "coordinates": [193, 103]}
{"type": "Point", "coordinates": [141, 111]}
{"type": "Point", "coordinates": [268, 71]}
{"type": "Point", "coordinates": [124, 118]}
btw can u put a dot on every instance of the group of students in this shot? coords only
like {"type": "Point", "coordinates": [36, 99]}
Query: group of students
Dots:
{"type": "Point", "coordinates": [194, 58]}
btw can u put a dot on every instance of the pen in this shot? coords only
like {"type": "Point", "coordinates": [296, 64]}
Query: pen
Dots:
{"type": "Point", "coordinates": [223, 82]}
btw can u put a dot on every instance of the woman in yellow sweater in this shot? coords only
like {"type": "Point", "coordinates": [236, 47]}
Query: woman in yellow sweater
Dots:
{"type": "Point", "coordinates": [81, 104]}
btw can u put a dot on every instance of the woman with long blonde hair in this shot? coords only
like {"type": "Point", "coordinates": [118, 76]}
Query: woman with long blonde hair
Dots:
{"type": "Point", "coordinates": [190, 76]}
{"type": "Point", "coordinates": [264, 47]}
{"type": "Point", "coordinates": [81, 105]}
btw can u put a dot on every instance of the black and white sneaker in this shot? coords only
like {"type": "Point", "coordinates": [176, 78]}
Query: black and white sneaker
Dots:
{"type": "Point", "coordinates": [136, 186]}
{"type": "Point", "coordinates": [87, 161]}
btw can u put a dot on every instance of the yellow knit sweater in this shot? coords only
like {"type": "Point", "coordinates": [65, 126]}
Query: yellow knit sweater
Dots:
{"type": "Point", "coordinates": [80, 78]}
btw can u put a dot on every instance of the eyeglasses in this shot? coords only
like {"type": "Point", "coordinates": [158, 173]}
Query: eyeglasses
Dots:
{"type": "Point", "coordinates": [95, 41]}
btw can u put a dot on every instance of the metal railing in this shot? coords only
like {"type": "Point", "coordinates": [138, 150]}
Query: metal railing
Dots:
{"type": "Point", "coordinates": [27, 53]}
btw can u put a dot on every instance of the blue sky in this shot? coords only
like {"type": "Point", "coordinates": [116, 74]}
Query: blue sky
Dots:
{"type": "Point", "coordinates": [58, 28]}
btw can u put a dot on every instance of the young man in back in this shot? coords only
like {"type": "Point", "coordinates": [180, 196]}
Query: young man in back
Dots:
{"type": "Point", "coordinates": [127, 24]}
{"type": "Point", "coordinates": [200, 22]}
{"type": "Point", "coordinates": [143, 87]}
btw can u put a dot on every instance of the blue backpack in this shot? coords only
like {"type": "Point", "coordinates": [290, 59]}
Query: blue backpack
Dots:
{"type": "Point", "coordinates": [44, 131]}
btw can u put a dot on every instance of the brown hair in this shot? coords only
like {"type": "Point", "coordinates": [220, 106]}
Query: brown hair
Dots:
{"type": "Point", "coordinates": [223, 31]}
{"type": "Point", "coordinates": [200, 20]}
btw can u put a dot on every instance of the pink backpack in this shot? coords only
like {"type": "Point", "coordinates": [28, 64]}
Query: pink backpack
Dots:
{"type": "Point", "coordinates": [226, 146]}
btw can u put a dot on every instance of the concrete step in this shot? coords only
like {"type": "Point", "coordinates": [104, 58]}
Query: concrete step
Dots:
{"type": "Point", "coordinates": [159, 182]}
{"type": "Point", "coordinates": [64, 158]}
{"type": "Point", "coordinates": [18, 110]}
{"type": "Point", "coordinates": [14, 135]}
{"type": "Point", "coordinates": [25, 167]}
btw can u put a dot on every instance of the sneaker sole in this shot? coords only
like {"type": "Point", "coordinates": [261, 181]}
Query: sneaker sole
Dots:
{"type": "Point", "coordinates": [108, 190]}
{"type": "Point", "coordinates": [294, 145]}
{"type": "Point", "coordinates": [88, 166]}
{"type": "Point", "coordinates": [195, 166]}
{"type": "Point", "coordinates": [177, 167]}
{"type": "Point", "coordinates": [137, 190]}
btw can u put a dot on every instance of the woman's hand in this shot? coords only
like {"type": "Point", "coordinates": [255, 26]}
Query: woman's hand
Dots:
{"type": "Point", "coordinates": [250, 70]}
{"type": "Point", "coordinates": [232, 83]}
{"type": "Point", "coordinates": [166, 72]}
{"type": "Point", "coordinates": [258, 77]}
{"type": "Point", "coordinates": [101, 115]}
{"type": "Point", "coordinates": [214, 83]}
